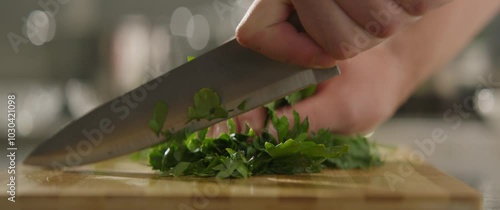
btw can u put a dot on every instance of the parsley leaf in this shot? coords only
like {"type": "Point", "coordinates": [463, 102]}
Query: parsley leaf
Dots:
{"type": "Point", "coordinates": [362, 154]}
{"type": "Point", "coordinates": [206, 106]}
{"type": "Point", "coordinates": [242, 105]}
{"type": "Point", "coordinates": [159, 116]}
{"type": "Point", "coordinates": [294, 98]}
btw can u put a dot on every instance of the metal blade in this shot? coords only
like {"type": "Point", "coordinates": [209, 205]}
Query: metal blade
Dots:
{"type": "Point", "coordinates": [120, 126]}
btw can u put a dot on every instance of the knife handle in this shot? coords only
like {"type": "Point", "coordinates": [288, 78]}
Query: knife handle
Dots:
{"type": "Point", "coordinates": [295, 21]}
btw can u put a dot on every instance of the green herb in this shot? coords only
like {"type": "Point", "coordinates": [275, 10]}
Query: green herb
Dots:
{"type": "Point", "coordinates": [294, 98]}
{"type": "Point", "coordinates": [190, 58]}
{"type": "Point", "coordinates": [362, 154]}
{"type": "Point", "coordinates": [159, 117]}
{"type": "Point", "coordinates": [244, 154]}
{"type": "Point", "coordinates": [242, 105]}
{"type": "Point", "coordinates": [206, 106]}
{"type": "Point", "coordinates": [140, 155]}
{"type": "Point", "coordinates": [240, 155]}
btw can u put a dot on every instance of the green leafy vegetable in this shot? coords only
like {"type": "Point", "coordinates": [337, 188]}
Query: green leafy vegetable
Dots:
{"type": "Point", "coordinates": [190, 58]}
{"type": "Point", "coordinates": [288, 148]}
{"type": "Point", "coordinates": [362, 154]}
{"type": "Point", "coordinates": [180, 168]}
{"type": "Point", "coordinates": [294, 98]}
{"type": "Point", "coordinates": [242, 105]}
{"type": "Point", "coordinates": [244, 154]}
{"type": "Point", "coordinates": [206, 106]}
{"type": "Point", "coordinates": [159, 116]}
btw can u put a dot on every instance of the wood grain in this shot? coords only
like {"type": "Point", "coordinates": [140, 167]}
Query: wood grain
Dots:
{"type": "Point", "coordinates": [124, 184]}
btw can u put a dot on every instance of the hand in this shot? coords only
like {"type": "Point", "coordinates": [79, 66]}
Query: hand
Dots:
{"type": "Point", "coordinates": [373, 84]}
{"type": "Point", "coordinates": [336, 29]}
{"type": "Point", "coordinates": [369, 90]}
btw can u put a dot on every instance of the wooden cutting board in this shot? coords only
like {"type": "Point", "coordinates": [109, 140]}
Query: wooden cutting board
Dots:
{"type": "Point", "coordinates": [125, 184]}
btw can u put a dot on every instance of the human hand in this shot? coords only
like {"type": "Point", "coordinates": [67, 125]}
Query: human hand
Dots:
{"type": "Point", "coordinates": [373, 84]}
{"type": "Point", "coordinates": [335, 29]}
{"type": "Point", "coordinates": [369, 90]}
{"type": "Point", "coordinates": [357, 100]}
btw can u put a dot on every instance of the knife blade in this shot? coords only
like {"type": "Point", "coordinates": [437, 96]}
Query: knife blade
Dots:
{"type": "Point", "coordinates": [120, 126]}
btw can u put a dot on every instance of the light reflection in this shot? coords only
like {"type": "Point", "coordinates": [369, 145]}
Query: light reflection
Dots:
{"type": "Point", "coordinates": [160, 48]}
{"type": "Point", "coordinates": [368, 135]}
{"type": "Point", "coordinates": [198, 32]}
{"type": "Point", "coordinates": [131, 52]}
{"type": "Point", "coordinates": [179, 21]}
{"type": "Point", "coordinates": [26, 123]}
{"type": "Point", "coordinates": [40, 27]}
{"type": "Point", "coordinates": [485, 101]}
{"type": "Point", "coordinates": [40, 105]}
{"type": "Point", "coordinates": [488, 106]}
{"type": "Point", "coordinates": [81, 98]}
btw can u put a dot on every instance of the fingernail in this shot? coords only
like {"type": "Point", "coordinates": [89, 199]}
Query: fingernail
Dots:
{"type": "Point", "coordinates": [322, 61]}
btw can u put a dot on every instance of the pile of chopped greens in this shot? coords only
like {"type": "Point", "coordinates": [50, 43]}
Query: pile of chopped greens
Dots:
{"type": "Point", "coordinates": [243, 154]}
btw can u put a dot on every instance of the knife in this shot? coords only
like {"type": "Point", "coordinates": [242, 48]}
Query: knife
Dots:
{"type": "Point", "coordinates": [120, 126]}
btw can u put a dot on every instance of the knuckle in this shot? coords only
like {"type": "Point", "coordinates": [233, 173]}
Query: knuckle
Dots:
{"type": "Point", "coordinates": [340, 54]}
{"type": "Point", "coordinates": [243, 36]}
{"type": "Point", "coordinates": [384, 30]}
{"type": "Point", "coordinates": [363, 118]}
{"type": "Point", "coordinates": [416, 7]}
{"type": "Point", "coordinates": [349, 46]}
{"type": "Point", "coordinates": [342, 51]}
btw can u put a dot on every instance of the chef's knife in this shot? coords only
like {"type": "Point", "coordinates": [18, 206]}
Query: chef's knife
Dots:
{"type": "Point", "coordinates": [120, 126]}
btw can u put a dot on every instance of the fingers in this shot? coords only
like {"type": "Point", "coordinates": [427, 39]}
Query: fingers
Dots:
{"type": "Point", "coordinates": [266, 30]}
{"type": "Point", "coordinates": [420, 7]}
{"type": "Point", "coordinates": [357, 100]}
{"type": "Point", "coordinates": [331, 33]}
{"type": "Point", "coordinates": [369, 90]}
{"type": "Point", "coordinates": [217, 129]}
{"type": "Point", "coordinates": [380, 18]}
{"type": "Point", "coordinates": [254, 118]}
{"type": "Point", "coordinates": [333, 29]}
{"type": "Point", "coordinates": [336, 29]}
{"type": "Point", "coordinates": [354, 102]}
{"type": "Point", "coordinates": [383, 18]}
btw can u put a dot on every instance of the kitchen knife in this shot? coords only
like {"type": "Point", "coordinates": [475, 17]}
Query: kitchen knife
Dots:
{"type": "Point", "coordinates": [120, 126]}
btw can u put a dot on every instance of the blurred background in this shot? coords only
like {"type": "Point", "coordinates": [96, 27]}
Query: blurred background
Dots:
{"type": "Point", "coordinates": [63, 58]}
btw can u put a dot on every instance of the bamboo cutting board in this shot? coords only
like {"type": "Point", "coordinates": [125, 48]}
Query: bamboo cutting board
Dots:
{"type": "Point", "coordinates": [124, 184]}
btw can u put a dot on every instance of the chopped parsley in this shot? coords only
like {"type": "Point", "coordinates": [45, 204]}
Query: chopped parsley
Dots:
{"type": "Point", "coordinates": [244, 154]}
